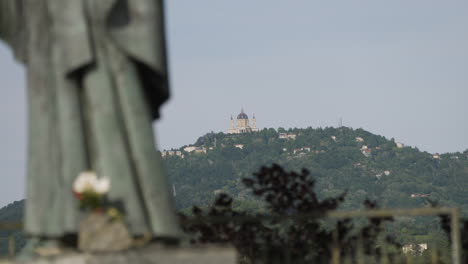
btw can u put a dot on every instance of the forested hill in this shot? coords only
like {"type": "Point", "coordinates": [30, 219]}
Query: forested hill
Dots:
{"type": "Point", "coordinates": [392, 174]}
{"type": "Point", "coordinates": [340, 159]}
{"type": "Point", "coordinates": [12, 213]}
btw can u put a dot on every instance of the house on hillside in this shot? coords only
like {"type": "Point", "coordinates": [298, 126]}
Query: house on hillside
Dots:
{"type": "Point", "coordinates": [418, 195]}
{"type": "Point", "coordinates": [399, 145]}
{"type": "Point", "coordinates": [201, 150]}
{"type": "Point", "coordinates": [166, 153]}
{"type": "Point", "coordinates": [414, 248]}
{"type": "Point", "coordinates": [190, 148]}
{"type": "Point", "coordinates": [195, 149]}
{"type": "Point", "coordinates": [359, 139]}
{"type": "Point", "coordinates": [301, 150]}
{"type": "Point", "coordinates": [287, 136]}
{"type": "Point", "coordinates": [366, 152]}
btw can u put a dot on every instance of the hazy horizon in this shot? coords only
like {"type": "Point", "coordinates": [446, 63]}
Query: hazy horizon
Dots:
{"type": "Point", "coordinates": [395, 68]}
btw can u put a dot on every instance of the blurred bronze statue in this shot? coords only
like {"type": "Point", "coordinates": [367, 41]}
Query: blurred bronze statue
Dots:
{"type": "Point", "coordinates": [97, 76]}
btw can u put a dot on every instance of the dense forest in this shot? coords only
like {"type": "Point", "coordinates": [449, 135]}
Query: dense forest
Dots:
{"type": "Point", "coordinates": [341, 160]}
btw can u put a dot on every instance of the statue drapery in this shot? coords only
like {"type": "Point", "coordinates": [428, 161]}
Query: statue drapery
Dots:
{"type": "Point", "coordinates": [97, 76]}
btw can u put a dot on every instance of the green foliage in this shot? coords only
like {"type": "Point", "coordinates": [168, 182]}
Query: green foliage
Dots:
{"type": "Point", "coordinates": [337, 165]}
{"type": "Point", "coordinates": [12, 213]}
{"type": "Point", "coordinates": [294, 239]}
{"type": "Point", "coordinates": [90, 200]}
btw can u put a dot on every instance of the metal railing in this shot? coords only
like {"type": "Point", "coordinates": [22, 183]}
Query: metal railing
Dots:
{"type": "Point", "coordinates": [11, 239]}
{"type": "Point", "coordinates": [336, 256]}
{"type": "Point", "coordinates": [453, 213]}
{"type": "Point", "coordinates": [336, 251]}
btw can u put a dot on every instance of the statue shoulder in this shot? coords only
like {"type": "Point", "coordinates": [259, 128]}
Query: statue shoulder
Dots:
{"type": "Point", "coordinates": [72, 33]}
{"type": "Point", "coordinates": [11, 26]}
{"type": "Point", "coordinates": [143, 36]}
{"type": "Point", "coordinates": [8, 19]}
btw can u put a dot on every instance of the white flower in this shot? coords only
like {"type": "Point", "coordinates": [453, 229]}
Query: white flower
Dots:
{"type": "Point", "coordinates": [102, 186]}
{"type": "Point", "coordinates": [85, 182]}
{"type": "Point", "coordinates": [89, 181]}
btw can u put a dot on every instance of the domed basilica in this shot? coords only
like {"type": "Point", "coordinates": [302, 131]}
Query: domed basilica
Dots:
{"type": "Point", "coordinates": [242, 124]}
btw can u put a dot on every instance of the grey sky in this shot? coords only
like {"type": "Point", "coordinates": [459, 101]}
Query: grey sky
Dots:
{"type": "Point", "coordinates": [397, 68]}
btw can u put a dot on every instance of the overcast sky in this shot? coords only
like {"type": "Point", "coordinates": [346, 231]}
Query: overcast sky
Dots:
{"type": "Point", "coordinates": [397, 68]}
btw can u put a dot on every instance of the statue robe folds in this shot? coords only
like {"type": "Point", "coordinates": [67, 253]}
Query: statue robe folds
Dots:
{"type": "Point", "coordinates": [97, 75]}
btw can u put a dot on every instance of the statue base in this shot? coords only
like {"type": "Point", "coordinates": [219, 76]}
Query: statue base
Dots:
{"type": "Point", "coordinates": [99, 233]}
{"type": "Point", "coordinates": [153, 254]}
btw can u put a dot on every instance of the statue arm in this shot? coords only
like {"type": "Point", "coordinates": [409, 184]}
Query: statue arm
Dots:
{"type": "Point", "coordinates": [3, 20]}
{"type": "Point", "coordinates": [11, 26]}
{"type": "Point", "coordinates": [143, 39]}
{"type": "Point", "coordinates": [7, 20]}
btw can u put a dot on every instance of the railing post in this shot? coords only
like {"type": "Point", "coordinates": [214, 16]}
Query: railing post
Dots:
{"type": "Point", "coordinates": [11, 246]}
{"type": "Point", "coordinates": [287, 255]}
{"type": "Point", "coordinates": [409, 259]}
{"type": "Point", "coordinates": [360, 250]}
{"type": "Point", "coordinates": [456, 240]}
{"type": "Point", "coordinates": [434, 255]}
{"type": "Point", "coordinates": [384, 258]}
{"type": "Point", "coordinates": [336, 254]}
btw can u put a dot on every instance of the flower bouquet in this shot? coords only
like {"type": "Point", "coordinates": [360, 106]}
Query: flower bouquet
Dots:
{"type": "Point", "coordinates": [102, 229]}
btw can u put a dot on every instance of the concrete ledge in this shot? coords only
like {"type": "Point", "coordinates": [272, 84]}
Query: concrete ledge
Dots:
{"type": "Point", "coordinates": [147, 255]}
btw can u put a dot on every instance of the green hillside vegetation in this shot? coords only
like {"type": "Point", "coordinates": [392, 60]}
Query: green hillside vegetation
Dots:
{"type": "Point", "coordinates": [12, 213]}
{"type": "Point", "coordinates": [296, 239]}
{"type": "Point", "coordinates": [390, 175]}
{"type": "Point", "coordinates": [393, 176]}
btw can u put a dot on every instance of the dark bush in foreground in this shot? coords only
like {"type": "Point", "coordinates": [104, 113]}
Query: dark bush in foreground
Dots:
{"type": "Point", "coordinates": [292, 230]}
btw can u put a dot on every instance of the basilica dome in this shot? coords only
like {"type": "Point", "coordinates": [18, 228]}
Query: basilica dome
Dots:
{"type": "Point", "coordinates": [242, 115]}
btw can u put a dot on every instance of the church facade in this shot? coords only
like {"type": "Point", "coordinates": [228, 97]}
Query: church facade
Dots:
{"type": "Point", "coordinates": [242, 124]}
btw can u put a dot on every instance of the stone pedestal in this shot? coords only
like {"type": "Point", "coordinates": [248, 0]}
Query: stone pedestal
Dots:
{"type": "Point", "coordinates": [148, 255]}
{"type": "Point", "coordinates": [99, 233]}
